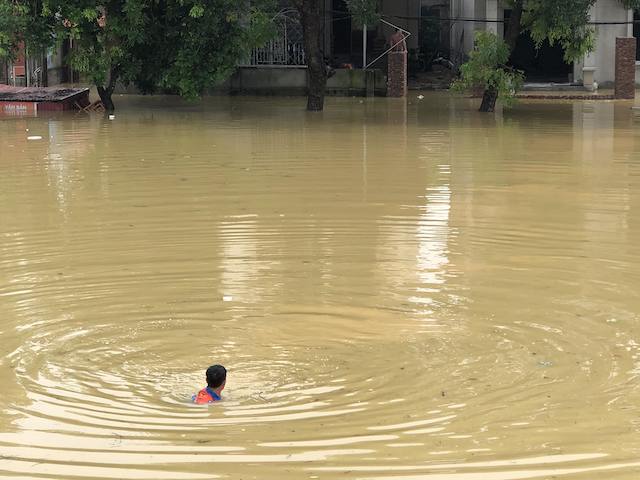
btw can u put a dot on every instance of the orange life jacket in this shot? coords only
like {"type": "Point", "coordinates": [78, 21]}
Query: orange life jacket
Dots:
{"type": "Point", "coordinates": [206, 395]}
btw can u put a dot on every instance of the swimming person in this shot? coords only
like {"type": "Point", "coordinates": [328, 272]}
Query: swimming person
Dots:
{"type": "Point", "coordinates": [216, 380]}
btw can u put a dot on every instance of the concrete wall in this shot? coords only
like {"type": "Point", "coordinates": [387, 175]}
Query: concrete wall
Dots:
{"type": "Point", "coordinates": [356, 82]}
{"type": "Point", "coordinates": [269, 81]}
{"type": "Point", "coordinates": [293, 81]}
{"type": "Point", "coordinates": [495, 12]}
{"type": "Point", "coordinates": [287, 81]}
{"type": "Point", "coordinates": [603, 57]}
{"type": "Point", "coordinates": [609, 11]}
{"type": "Point", "coordinates": [479, 12]}
{"type": "Point", "coordinates": [462, 33]}
{"type": "Point", "coordinates": [55, 68]}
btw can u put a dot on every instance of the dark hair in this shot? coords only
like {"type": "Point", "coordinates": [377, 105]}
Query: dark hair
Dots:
{"type": "Point", "coordinates": [216, 376]}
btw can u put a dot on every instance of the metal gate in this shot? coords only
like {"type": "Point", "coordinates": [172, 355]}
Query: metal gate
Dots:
{"type": "Point", "coordinates": [287, 47]}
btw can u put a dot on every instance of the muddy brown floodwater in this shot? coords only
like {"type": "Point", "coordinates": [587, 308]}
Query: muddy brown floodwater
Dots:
{"type": "Point", "coordinates": [399, 291]}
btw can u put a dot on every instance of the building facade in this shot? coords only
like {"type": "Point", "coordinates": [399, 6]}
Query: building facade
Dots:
{"type": "Point", "coordinates": [438, 28]}
{"type": "Point", "coordinates": [343, 39]}
{"type": "Point", "coordinates": [447, 28]}
{"type": "Point", "coordinates": [40, 70]}
{"type": "Point", "coordinates": [611, 20]}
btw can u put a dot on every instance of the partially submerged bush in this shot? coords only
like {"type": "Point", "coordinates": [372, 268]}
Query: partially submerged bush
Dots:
{"type": "Point", "coordinates": [487, 70]}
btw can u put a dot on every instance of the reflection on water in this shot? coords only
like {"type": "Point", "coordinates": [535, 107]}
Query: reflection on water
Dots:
{"type": "Point", "coordinates": [399, 290]}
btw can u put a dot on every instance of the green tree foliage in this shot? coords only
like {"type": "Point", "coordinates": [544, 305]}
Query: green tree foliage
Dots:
{"type": "Point", "coordinates": [203, 41]}
{"type": "Point", "coordinates": [564, 23]}
{"type": "Point", "coordinates": [181, 45]}
{"type": "Point", "coordinates": [7, 28]}
{"type": "Point", "coordinates": [19, 24]}
{"type": "Point", "coordinates": [487, 68]}
{"type": "Point", "coordinates": [364, 12]}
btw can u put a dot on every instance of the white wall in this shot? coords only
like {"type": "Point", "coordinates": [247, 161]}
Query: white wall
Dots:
{"type": "Point", "coordinates": [462, 33]}
{"type": "Point", "coordinates": [603, 58]}
{"type": "Point", "coordinates": [605, 52]}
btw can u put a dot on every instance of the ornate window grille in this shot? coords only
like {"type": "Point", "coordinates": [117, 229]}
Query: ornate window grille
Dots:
{"type": "Point", "coordinates": [287, 48]}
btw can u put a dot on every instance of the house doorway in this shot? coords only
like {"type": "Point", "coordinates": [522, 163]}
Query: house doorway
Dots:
{"type": "Point", "coordinates": [544, 64]}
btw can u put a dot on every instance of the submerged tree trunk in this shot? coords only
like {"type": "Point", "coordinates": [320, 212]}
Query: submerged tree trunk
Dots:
{"type": "Point", "coordinates": [106, 91]}
{"type": "Point", "coordinates": [489, 99]}
{"type": "Point", "coordinates": [490, 96]}
{"type": "Point", "coordinates": [45, 72]}
{"type": "Point", "coordinates": [312, 14]}
{"type": "Point", "coordinates": [106, 98]}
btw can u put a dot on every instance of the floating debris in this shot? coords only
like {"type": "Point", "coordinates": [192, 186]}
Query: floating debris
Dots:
{"type": "Point", "coordinates": [34, 137]}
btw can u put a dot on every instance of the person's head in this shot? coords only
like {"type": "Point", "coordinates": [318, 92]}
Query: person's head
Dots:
{"type": "Point", "coordinates": [216, 377]}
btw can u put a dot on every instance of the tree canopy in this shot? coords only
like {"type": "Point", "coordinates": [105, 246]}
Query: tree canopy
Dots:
{"type": "Point", "coordinates": [565, 23]}
{"type": "Point", "coordinates": [180, 45]}
{"type": "Point", "coordinates": [364, 12]}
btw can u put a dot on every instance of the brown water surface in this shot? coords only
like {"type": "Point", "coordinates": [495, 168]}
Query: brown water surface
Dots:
{"type": "Point", "coordinates": [400, 291]}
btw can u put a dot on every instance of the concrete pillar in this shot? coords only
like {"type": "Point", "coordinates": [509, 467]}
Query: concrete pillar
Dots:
{"type": "Point", "coordinates": [587, 70]}
{"type": "Point", "coordinates": [625, 67]}
{"type": "Point", "coordinates": [397, 75]}
{"type": "Point", "coordinates": [370, 83]}
{"type": "Point", "coordinates": [588, 79]}
{"type": "Point", "coordinates": [492, 16]}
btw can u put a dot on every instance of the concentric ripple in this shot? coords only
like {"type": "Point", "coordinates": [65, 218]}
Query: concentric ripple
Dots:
{"type": "Point", "coordinates": [398, 292]}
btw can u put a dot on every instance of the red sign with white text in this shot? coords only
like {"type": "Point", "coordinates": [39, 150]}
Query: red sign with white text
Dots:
{"type": "Point", "coordinates": [18, 109]}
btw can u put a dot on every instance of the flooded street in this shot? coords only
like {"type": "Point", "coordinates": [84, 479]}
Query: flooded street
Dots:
{"type": "Point", "coordinates": [399, 292]}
